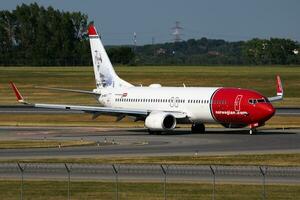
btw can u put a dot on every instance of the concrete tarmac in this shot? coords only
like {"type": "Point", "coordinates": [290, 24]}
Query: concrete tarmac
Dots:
{"type": "Point", "coordinates": [137, 142]}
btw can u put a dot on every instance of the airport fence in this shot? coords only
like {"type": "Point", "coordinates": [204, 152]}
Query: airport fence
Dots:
{"type": "Point", "coordinates": [118, 174]}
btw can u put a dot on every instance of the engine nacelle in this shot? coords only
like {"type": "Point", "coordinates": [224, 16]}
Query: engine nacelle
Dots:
{"type": "Point", "coordinates": [160, 121]}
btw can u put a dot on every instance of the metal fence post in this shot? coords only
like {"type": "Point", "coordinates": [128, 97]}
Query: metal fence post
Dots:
{"type": "Point", "coordinates": [117, 180]}
{"type": "Point", "coordinates": [69, 179]}
{"type": "Point", "coordinates": [263, 173]}
{"type": "Point", "coordinates": [214, 181]}
{"type": "Point", "coordinates": [165, 181]}
{"type": "Point", "coordinates": [22, 180]}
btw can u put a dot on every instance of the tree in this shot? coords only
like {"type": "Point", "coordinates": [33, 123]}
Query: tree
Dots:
{"type": "Point", "coordinates": [121, 55]}
{"type": "Point", "coordinates": [43, 36]}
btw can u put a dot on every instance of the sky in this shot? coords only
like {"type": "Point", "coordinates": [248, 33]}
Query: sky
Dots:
{"type": "Point", "coordinates": [152, 20]}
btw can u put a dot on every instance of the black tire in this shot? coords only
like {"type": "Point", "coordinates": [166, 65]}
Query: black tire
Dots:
{"type": "Point", "coordinates": [198, 128]}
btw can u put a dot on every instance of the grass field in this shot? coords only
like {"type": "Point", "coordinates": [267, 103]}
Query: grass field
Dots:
{"type": "Point", "coordinates": [260, 78]}
{"type": "Point", "coordinates": [10, 190]}
{"type": "Point", "coordinates": [263, 159]}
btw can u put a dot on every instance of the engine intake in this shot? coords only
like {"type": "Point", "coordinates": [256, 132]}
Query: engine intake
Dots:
{"type": "Point", "coordinates": [160, 121]}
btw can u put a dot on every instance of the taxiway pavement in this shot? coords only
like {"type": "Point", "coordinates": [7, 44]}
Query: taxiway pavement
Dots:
{"type": "Point", "coordinates": [137, 142]}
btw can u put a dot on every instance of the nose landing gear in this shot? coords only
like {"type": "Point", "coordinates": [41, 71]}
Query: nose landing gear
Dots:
{"type": "Point", "coordinates": [198, 128]}
{"type": "Point", "coordinates": [252, 131]}
{"type": "Point", "coordinates": [254, 126]}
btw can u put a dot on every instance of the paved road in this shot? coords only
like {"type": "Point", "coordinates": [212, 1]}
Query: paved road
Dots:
{"type": "Point", "coordinates": [137, 142]}
{"type": "Point", "coordinates": [25, 109]}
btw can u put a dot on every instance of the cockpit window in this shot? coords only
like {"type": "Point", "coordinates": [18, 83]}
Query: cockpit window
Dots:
{"type": "Point", "coordinates": [255, 101]}
{"type": "Point", "coordinates": [251, 101]}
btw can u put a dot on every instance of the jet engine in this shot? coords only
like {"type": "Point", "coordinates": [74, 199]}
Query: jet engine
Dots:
{"type": "Point", "coordinates": [160, 121]}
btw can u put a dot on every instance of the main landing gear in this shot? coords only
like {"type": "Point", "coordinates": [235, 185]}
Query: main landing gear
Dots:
{"type": "Point", "coordinates": [198, 128]}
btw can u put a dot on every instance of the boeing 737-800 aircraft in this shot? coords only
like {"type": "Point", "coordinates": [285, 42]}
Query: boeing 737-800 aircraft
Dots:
{"type": "Point", "coordinates": [163, 107]}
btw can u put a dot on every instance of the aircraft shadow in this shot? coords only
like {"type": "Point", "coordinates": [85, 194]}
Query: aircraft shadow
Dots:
{"type": "Point", "coordinates": [217, 132]}
{"type": "Point", "coordinates": [143, 132]}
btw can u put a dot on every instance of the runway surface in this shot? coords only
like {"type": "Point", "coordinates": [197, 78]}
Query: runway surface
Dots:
{"type": "Point", "coordinates": [137, 142]}
{"type": "Point", "coordinates": [27, 109]}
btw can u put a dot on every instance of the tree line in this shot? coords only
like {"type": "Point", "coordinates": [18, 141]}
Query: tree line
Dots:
{"type": "Point", "coordinates": [37, 36]}
{"type": "Point", "coordinates": [34, 35]}
{"type": "Point", "coordinates": [205, 51]}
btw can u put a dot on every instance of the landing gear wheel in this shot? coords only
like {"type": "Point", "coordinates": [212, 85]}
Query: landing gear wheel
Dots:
{"type": "Point", "coordinates": [252, 131]}
{"type": "Point", "coordinates": [198, 128]}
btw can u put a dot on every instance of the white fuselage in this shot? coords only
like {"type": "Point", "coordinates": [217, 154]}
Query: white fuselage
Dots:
{"type": "Point", "coordinates": [195, 102]}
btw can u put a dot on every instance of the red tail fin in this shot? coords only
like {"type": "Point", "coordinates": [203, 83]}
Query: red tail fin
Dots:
{"type": "Point", "coordinates": [92, 30]}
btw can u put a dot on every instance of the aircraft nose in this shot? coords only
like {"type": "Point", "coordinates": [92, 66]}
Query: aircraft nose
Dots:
{"type": "Point", "coordinates": [268, 110]}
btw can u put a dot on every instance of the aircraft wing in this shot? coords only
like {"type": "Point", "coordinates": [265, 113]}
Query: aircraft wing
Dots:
{"type": "Point", "coordinates": [96, 110]}
{"type": "Point", "coordinates": [67, 90]}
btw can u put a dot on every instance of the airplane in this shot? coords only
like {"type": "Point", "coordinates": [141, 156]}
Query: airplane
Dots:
{"type": "Point", "coordinates": [162, 108]}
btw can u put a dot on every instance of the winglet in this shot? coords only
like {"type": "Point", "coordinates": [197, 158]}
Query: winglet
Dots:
{"type": "Point", "coordinates": [19, 97]}
{"type": "Point", "coordinates": [279, 91]}
{"type": "Point", "coordinates": [279, 86]}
